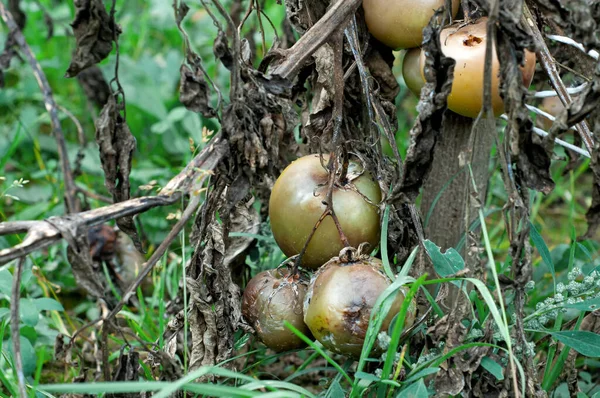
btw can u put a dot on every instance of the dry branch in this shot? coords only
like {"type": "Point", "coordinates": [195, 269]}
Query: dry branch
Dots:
{"type": "Point", "coordinates": [334, 19]}
{"type": "Point", "coordinates": [41, 234]}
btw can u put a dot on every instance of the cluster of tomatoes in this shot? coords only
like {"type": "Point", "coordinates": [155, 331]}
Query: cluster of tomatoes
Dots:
{"type": "Point", "coordinates": [399, 24]}
{"type": "Point", "coordinates": [335, 305]}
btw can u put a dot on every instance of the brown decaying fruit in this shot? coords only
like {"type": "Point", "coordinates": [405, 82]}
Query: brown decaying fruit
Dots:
{"type": "Point", "coordinates": [271, 298]}
{"type": "Point", "coordinates": [467, 45]}
{"type": "Point", "coordinates": [411, 71]}
{"type": "Point", "coordinates": [399, 23]}
{"type": "Point", "coordinates": [296, 204]}
{"type": "Point", "coordinates": [338, 304]}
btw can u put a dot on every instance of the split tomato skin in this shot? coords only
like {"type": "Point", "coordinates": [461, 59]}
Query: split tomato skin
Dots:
{"type": "Point", "coordinates": [297, 203]}
{"type": "Point", "coordinates": [399, 23]}
{"type": "Point", "coordinates": [271, 298]}
{"type": "Point", "coordinates": [338, 304]}
{"type": "Point", "coordinates": [467, 46]}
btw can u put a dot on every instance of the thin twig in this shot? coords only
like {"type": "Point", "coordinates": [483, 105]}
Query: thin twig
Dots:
{"type": "Point", "coordinates": [14, 325]}
{"type": "Point", "coordinates": [94, 195]}
{"type": "Point", "coordinates": [115, 79]}
{"type": "Point", "coordinates": [51, 107]}
{"type": "Point", "coordinates": [260, 24]}
{"type": "Point", "coordinates": [237, 52]}
{"type": "Point", "coordinates": [189, 211]}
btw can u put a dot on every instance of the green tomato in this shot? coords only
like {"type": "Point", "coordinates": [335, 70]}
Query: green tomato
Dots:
{"type": "Point", "coordinates": [338, 304]}
{"type": "Point", "coordinates": [296, 204]}
{"type": "Point", "coordinates": [399, 23]}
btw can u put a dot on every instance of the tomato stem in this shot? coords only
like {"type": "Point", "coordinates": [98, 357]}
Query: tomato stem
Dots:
{"type": "Point", "coordinates": [332, 166]}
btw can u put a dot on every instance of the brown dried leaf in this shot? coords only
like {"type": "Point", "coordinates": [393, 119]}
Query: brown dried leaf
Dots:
{"type": "Point", "coordinates": [194, 91]}
{"type": "Point", "coordinates": [79, 256]}
{"type": "Point", "coordinates": [6, 56]}
{"type": "Point", "coordinates": [117, 144]}
{"type": "Point", "coordinates": [222, 51]}
{"type": "Point", "coordinates": [449, 382]}
{"type": "Point", "coordinates": [94, 85]}
{"type": "Point", "coordinates": [93, 29]}
{"type": "Point", "coordinates": [302, 14]}
{"type": "Point", "coordinates": [10, 45]}
{"type": "Point", "coordinates": [579, 19]}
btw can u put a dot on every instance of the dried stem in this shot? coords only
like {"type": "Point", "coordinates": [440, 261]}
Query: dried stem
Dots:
{"type": "Point", "coordinates": [194, 59]}
{"type": "Point", "coordinates": [41, 234]}
{"type": "Point", "coordinates": [376, 113]}
{"type": "Point", "coordinates": [335, 18]}
{"type": "Point", "coordinates": [466, 9]}
{"type": "Point", "coordinates": [235, 65]}
{"type": "Point", "coordinates": [14, 325]}
{"type": "Point", "coordinates": [148, 265]}
{"type": "Point", "coordinates": [549, 65]}
{"type": "Point", "coordinates": [94, 195]}
{"type": "Point", "coordinates": [51, 107]}
{"type": "Point", "coordinates": [332, 168]}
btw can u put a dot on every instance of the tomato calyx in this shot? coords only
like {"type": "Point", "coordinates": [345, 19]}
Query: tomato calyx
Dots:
{"type": "Point", "coordinates": [350, 255]}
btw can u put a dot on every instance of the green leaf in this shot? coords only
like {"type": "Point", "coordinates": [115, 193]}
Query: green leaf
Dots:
{"type": "Point", "coordinates": [177, 114]}
{"type": "Point", "coordinates": [48, 304]}
{"type": "Point", "coordinates": [5, 282]}
{"type": "Point", "coordinates": [539, 243]}
{"type": "Point", "coordinates": [415, 390]}
{"type": "Point", "coordinates": [27, 354]}
{"type": "Point", "coordinates": [29, 333]}
{"type": "Point", "coordinates": [29, 312]}
{"type": "Point", "coordinates": [586, 305]}
{"type": "Point", "coordinates": [493, 367]}
{"type": "Point", "coordinates": [445, 264]}
{"type": "Point", "coordinates": [423, 373]}
{"type": "Point", "coordinates": [489, 300]}
{"type": "Point", "coordinates": [335, 390]}
{"type": "Point", "coordinates": [584, 342]}
{"type": "Point", "coordinates": [4, 312]}
{"type": "Point", "coordinates": [366, 376]}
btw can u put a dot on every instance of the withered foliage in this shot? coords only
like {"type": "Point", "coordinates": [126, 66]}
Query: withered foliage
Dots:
{"type": "Point", "coordinates": [94, 85]}
{"type": "Point", "coordinates": [257, 141]}
{"type": "Point", "coordinates": [117, 146]}
{"type": "Point", "coordinates": [93, 28]}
